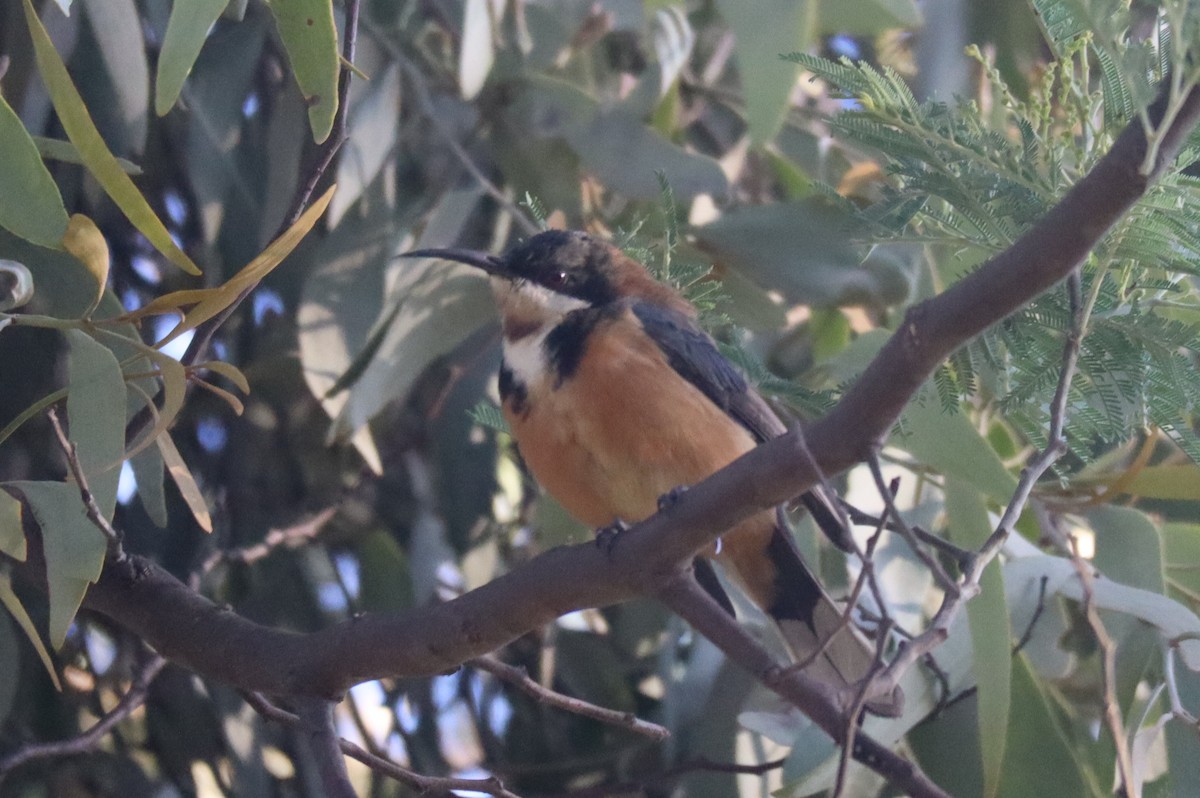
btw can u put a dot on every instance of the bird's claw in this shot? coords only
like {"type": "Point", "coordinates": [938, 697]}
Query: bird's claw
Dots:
{"type": "Point", "coordinates": [606, 536]}
{"type": "Point", "coordinates": [669, 498]}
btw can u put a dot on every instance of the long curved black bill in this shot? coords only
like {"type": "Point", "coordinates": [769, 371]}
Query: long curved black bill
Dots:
{"type": "Point", "coordinates": [492, 264]}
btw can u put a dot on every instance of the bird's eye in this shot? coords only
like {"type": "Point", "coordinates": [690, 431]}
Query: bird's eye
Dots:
{"type": "Point", "coordinates": [556, 279]}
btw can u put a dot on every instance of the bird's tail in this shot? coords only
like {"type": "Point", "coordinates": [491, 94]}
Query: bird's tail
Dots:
{"type": "Point", "coordinates": [821, 638]}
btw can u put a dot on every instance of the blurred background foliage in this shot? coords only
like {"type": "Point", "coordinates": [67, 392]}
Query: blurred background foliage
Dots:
{"type": "Point", "coordinates": [367, 456]}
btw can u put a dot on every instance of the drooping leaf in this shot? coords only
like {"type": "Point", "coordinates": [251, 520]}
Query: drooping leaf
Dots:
{"type": "Point", "coordinates": [36, 212]}
{"type": "Point", "coordinates": [213, 301]}
{"type": "Point", "coordinates": [184, 480]}
{"type": "Point", "coordinates": [187, 29]}
{"type": "Point", "coordinates": [84, 240]}
{"type": "Point", "coordinates": [95, 154]}
{"type": "Point", "coordinates": [310, 38]}
{"type": "Point", "coordinates": [74, 549]}
{"type": "Point", "coordinates": [990, 633]}
{"type": "Point", "coordinates": [13, 604]}
{"type": "Point", "coordinates": [96, 415]}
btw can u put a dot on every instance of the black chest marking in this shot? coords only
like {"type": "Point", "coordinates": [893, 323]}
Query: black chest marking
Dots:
{"type": "Point", "coordinates": [567, 342]}
{"type": "Point", "coordinates": [513, 391]}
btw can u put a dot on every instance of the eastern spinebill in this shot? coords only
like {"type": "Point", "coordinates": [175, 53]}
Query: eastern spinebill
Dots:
{"type": "Point", "coordinates": [616, 398]}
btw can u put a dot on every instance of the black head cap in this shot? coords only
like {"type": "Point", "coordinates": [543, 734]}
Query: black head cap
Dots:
{"type": "Point", "coordinates": [565, 261]}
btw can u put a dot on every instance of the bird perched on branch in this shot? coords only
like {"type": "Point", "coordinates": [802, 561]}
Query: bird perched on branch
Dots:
{"type": "Point", "coordinates": [616, 398]}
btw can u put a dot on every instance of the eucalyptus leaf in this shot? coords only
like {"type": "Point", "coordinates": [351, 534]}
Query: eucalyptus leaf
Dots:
{"type": "Point", "coordinates": [96, 415]}
{"type": "Point", "coordinates": [36, 212]}
{"type": "Point", "coordinates": [187, 29]}
{"type": "Point", "coordinates": [991, 635]}
{"type": "Point", "coordinates": [310, 38]}
{"type": "Point", "coordinates": [72, 545]}
{"type": "Point", "coordinates": [95, 153]}
{"type": "Point", "coordinates": [765, 30]}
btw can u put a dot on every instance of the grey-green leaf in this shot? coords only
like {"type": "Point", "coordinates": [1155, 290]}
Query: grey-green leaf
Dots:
{"type": "Point", "coordinates": [36, 212]}
{"type": "Point", "coordinates": [74, 549]}
{"type": "Point", "coordinates": [96, 415]}
{"type": "Point", "coordinates": [186, 31]}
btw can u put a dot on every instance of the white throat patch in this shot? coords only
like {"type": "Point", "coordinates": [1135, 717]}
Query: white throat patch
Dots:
{"type": "Point", "coordinates": [526, 356]}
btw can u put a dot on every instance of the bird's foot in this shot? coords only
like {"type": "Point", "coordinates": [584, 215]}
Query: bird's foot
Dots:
{"type": "Point", "coordinates": [668, 499]}
{"type": "Point", "coordinates": [606, 536]}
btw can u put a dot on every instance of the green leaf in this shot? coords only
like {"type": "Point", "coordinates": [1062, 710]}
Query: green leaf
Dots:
{"type": "Point", "coordinates": [765, 30]}
{"type": "Point", "coordinates": [800, 249]}
{"type": "Point", "coordinates": [96, 415]}
{"type": "Point", "coordinates": [1181, 552]}
{"type": "Point", "coordinates": [95, 154]}
{"type": "Point", "coordinates": [36, 212]}
{"type": "Point", "coordinates": [12, 534]}
{"type": "Point", "coordinates": [1040, 759]}
{"type": "Point", "coordinates": [117, 28]}
{"type": "Point", "coordinates": [186, 31]}
{"type": "Point", "coordinates": [310, 38]}
{"type": "Point", "coordinates": [74, 549]}
{"type": "Point", "coordinates": [148, 471]}
{"type": "Point", "coordinates": [13, 604]}
{"type": "Point", "coordinates": [990, 633]}
{"type": "Point", "coordinates": [486, 414]}
{"type": "Point", "coordinates": [65, 151]}
{"type": "Point", "coordinates": [624, 153]}
{"type": "Point", "coordinates": [951, 444]}
{"type": "Point", "coordinates": [868, 17]}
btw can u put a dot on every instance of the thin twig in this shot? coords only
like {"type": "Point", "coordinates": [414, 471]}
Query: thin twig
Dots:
{"type": "Point", "coordinates": [203, 335]}
{"type": "Point", "coordinates": [968, 587]}
{"type": "Point", "coordinates": [87, 741]}
{"type": "Point", "coordinates": [856, 710]}
{"type": "Point", "coordinates": [287, 538]}
{"type": "Point", "coordinates": [1108, 672]}
{"type": "Point", "coordinates": [939, 573]}
{"type": "Point", "coordinates": [425, 785]}
{"type": "Point", "coordinates": [111, 536]}
{"type": "Point", "coordinates": [518, 678]}
{"type": "Point", "coordinates": [700, 764]}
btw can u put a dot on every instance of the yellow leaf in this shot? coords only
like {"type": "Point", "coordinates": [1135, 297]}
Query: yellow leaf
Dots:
{"type": "Point", "coordinates": [94, 153]}
{"type": "Point", "coordinates": [84, 240]}
{"type": "Point", "coordinates": [229, 372]}
{"type": "Point", "coordinates": [253, 272]}
{"type": "Point", "coordinates": [184, 481]}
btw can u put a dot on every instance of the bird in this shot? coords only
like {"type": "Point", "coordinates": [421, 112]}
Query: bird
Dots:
{"type": "Point", "coordinates": [617, 400]}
